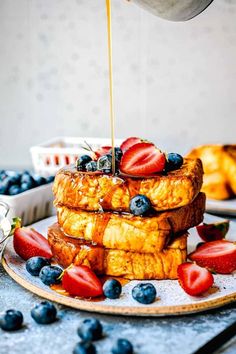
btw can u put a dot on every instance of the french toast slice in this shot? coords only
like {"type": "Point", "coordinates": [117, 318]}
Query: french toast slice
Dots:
{"type": "Point", "coordinates": [215, 186]}
{"type": "Point", "coordinates": [229, 165]}
{"type": "Point", "coordinates": [219, 164]}
{"type": "Point", "coordinates": [117, 263]}
{"type": "Point", "coordinates": [96, 192]}
{"type": "Point", "coordinates": [128, 232]}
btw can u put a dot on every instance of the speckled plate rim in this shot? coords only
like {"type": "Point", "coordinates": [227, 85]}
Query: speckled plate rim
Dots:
{"type": "Point", "coordinates": [126, 310]}
{"type": "Point", "coordinates": [120, 310]}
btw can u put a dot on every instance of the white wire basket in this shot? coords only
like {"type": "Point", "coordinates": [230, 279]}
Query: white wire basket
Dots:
{"type": "Point", "coordinates": [31, 205]}
{"type": "Point", "coordinates": [50, 156]}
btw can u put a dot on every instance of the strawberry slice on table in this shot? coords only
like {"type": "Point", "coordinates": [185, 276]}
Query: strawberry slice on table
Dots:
{"type": "Point", "coordinates": [213, 232]}
{"type": "Point", "coordinates": [29, 243]}
{"type": "Point", "coordinates": [130, 142]}
{"type": "Point", "coordinates": [142, 159]}
{"type": "Point", "coordinates": [218, 256]}
{"type": "Point", "coordinates": [81, 281]}
{"type": "Point", "coordinates": [193, 279]}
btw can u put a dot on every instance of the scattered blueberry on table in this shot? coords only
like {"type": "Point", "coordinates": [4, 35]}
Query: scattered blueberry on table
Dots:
{"type": "Point", "coordinates": [11, 320]}
{"type": "Point", "coordinates": [44, 313]}
{"type": "Point", "coordinates": [145, 293]}
{"type": "Point", "coordinates": [90, 330]}
{"type": "Point", "coordinates": [35, 264]}
{"type": "Point", "coordinates": [112, 289]}
{"type": "Point", "coordinates": [122, 346]}
{"type": "Point", "coordinates": [84, 348]}
{"type": "Point", "coordinates": [50, 275]}
{"type": "Point", "coordinates": [13, 183]}
{"type": "Point", "coordinates": [139, 205]}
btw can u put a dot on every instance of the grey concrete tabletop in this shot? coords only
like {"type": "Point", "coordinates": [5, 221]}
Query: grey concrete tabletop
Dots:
{"type": "Point", "coordinates": [182, 334]}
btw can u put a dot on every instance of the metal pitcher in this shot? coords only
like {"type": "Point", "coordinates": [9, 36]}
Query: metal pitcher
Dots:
{"type": "Point", "coordinates": [174, 10]}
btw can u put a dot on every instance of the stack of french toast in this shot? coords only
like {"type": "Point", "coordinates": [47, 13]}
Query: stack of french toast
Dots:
{"type": "Point", "coordinates": [219, 164]}
{"type": "Point", "coordinates": [95, 226]}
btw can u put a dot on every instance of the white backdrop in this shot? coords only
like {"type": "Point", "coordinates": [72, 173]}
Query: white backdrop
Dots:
{"type": "Point", "coordinates": [174, 82]}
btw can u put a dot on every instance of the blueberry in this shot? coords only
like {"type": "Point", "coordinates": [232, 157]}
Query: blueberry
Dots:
{"type": "Point", "coordinates": [15, 177]}
{"type": "Point", "coordinates": [104, 163]}
{"type": "Point", "coordinates": [173, 161]}
{"type": "Point", "coordinates": [27, 179]}
{"type": "Point", "coordinates": [90, 330]}
{"type": "Point", "coordinates": [82, 162]}
{"type": "Point", "coordinates": [145, 293]}
{"type": "Point", "coordinates": [13, 190]}
{"type": "Point", "coordinates": [112, 289]}
{"type": "Point", "coordinates": [5, 185]}
{"type": "Point", "coordinates": [50, 179]}
{"type": "Point", "coordinates": [35, 264]}
{"type": "Point", "coordinates": [3, 174]}
{"type": "Point", "coordinates": [44, 313]}
{"type": "Point", "coordinates": [84, 348]}
{"type": "Point", "coordinates": [39, 180]}
{"type": "Point", "coordinates": [50, 274]}
{"type": "Point", "coordinates": [118, 153]}
{"type": "Point", "coordinates": [91, 166]}
{"type": "Point", "coordinates": [25, 186]}
{"type": "Point", "coordinates": [122, 346]}
{"type": "Point", "coordinates": [139, 205]}
{"type": "Point", "coordinates": [11, 320]}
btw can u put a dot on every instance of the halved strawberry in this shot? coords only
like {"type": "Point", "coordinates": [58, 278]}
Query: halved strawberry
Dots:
{"type": "Point", "coordinates": [130, 142]}
{"type": "Point", "coordinates": [194, 279]}
{"type": "Point", "coordinates": [218, 256]}
{"type": "Point", "coordinates": [81, 281]}
{"type": "Point", "coordinates": [30, 243]}
{"type": "Point", "coordinates": [103, 150]}
{"type": "Point", "coordinates": [142, 159]}
{"type": "Point", "coordinates": [213, 232]}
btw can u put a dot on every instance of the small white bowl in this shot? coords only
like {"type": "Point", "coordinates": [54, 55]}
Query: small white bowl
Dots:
{"type": "Point", "coordinates": [31, 205]}
{"type": "Point", "coordinates": [50, 156]}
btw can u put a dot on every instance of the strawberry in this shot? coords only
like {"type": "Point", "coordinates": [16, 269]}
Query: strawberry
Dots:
{"type": "Point", "coordinates": [81, 281]}
{"type": "Point", "coordinates": [194, 279]}
{"type": "Point", "coordinates": [142, 159]}
{"type": "Point", "coordinates": [29, 243]}
{"type": "Point", "coordinates": [56, 160]}
{"type": "Point", "coordinates": [130, 142]}
{"type": "Point", "coordinates": [218, 256]}
{"type": "Point", "coordinates": [103, 150]}
{"type": "Point", "coordinates": [213, 232]}
{"type": "Point", "coordinates": [67, 160]}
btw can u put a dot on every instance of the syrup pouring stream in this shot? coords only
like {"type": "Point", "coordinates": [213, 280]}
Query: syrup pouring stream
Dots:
{"type": "Point", "coordinates": [111, 96]}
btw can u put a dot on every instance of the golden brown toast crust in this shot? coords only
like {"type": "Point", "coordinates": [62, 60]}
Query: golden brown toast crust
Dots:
{"type": "Point", "coordinates": [106, 192]}
{"type": "Point", "coordinates": [128, 232]}
{"type": "Point", "coordinates": [219, 164]}
{"type": "Point", "coordinates": [131, 265]}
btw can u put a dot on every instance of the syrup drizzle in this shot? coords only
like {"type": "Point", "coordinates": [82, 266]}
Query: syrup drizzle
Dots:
{"type": "Point", "coordinates": [102, 220]}
{"type": "Point", "coordinates": [111, 96]}
{"type": "Point", "coordinates": [59, 289]}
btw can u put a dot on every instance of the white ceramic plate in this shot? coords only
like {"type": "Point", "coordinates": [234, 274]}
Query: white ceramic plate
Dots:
{"type": "Point", "coordinates": [221, 207]}
{"type": "Point", "coordinates": [171, 299]}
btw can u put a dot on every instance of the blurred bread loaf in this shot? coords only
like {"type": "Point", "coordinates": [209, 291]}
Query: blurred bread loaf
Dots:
{"type": "Point", "coordinates": [219, 165]}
